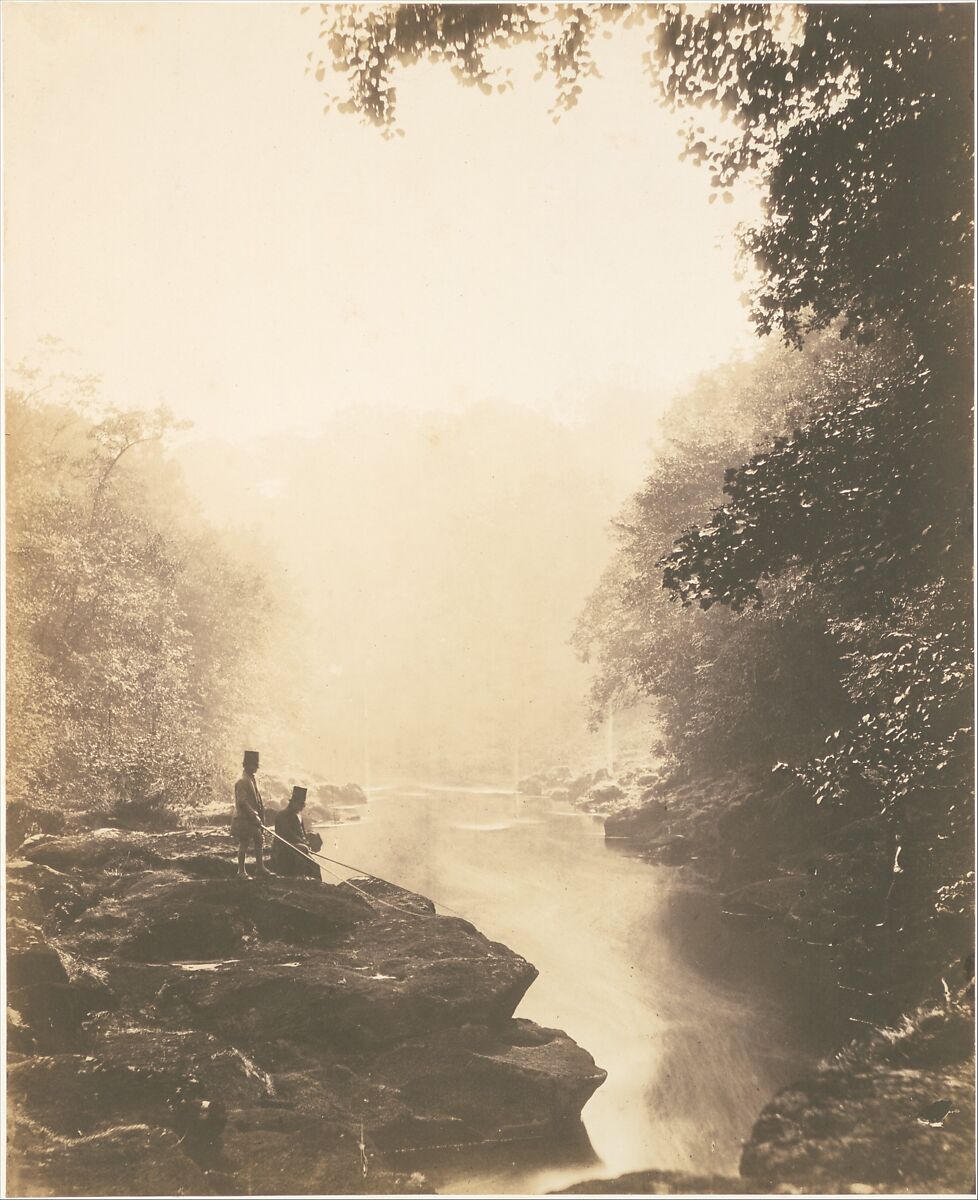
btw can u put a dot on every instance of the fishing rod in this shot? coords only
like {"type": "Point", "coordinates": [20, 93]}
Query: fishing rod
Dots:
{"type": "Point", "coordinates": [390, 883]}
{"type": "Point", "coordinates": [314, 854]}
{"type": "Point", "coordinates": [380, 879]}
{"type": "Point", "coordinates": [310, 855]}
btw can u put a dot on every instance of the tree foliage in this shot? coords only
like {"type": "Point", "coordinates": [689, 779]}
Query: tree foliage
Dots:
{"type": "Point", "coordinates": [127, 632]}
{"type": "Point", "coordinates": [856, 118]}
{"type": "Point", "coordinates": [735, 685]}
{"type": "Point", "coordinates": [859, 119]}
{"type": "Point", "coordinates": [858, 498]}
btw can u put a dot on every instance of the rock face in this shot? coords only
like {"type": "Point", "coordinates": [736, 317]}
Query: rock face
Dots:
{"type": "Point", "coordinates": [176, 1030]}
{"type": "Point", "coordinates": [107, 1163]}
{"type": "Point", "coordinates": [594, 791]}
{"type": "Point", "coordinates": [893, 1114]}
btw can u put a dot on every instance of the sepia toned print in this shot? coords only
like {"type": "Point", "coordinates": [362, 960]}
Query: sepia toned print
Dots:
{"type": "Point", "coordinates": [489, 640]}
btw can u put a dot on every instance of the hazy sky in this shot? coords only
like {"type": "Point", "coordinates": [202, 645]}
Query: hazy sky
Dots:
{"type": "Point", "coordinates": [180, 210]}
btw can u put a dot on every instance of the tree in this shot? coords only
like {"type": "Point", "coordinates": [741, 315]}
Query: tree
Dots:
{"type": "Point", "coordinates": [856, 118]}
{"type": "Point", "coordinates": [125, 629]}
{"type": "Point", "coordinates": [743, 687]}
{"type": "Point", "coordinates": [859, 120]}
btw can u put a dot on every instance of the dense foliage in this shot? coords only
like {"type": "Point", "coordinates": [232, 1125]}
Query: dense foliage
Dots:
{"type": "Point", "coordinates": [733, 687]}
{"type": "Point", "coordinates": [129, 629]}
{"type": "Point", "coordinates": [859, 118]}
{"type": "Point", "coordinates": [859, 497]}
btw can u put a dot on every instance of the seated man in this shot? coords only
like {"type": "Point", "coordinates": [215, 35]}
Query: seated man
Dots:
{"type": "Point", "coordinates": [289, 826]}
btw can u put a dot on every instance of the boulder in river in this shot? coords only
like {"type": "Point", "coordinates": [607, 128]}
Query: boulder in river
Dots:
{"type": "Point", "coordinates": [335, 793]}
{"type": "Point", "coordinates": [604, 797]}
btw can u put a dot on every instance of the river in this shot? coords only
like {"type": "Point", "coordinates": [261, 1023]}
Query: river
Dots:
{"type": "Point", "coordinates": [690, 1059]}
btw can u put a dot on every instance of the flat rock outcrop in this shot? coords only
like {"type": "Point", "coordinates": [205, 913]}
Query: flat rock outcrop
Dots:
{"type": "Point", "coordinates": [176, 1030]}
{"type": "Point", "coordinates": [111, 1162]}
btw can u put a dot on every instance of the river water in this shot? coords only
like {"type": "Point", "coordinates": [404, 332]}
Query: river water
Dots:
{"type": "Point", "coordinates": [691, 1059]}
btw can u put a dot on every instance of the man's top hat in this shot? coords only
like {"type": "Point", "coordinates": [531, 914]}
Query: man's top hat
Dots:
{"type": "Point", "coordinates": [251, 759]}
{"type": "Point", "coordinates": [298, 793]}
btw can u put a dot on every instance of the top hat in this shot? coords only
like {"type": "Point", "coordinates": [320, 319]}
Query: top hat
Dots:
{"type": "Point", "coordinates": [251, 758]}
{"type": "Point", "coordinates": [298, 793]}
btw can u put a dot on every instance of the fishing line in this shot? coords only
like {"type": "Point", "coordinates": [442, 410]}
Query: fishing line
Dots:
{"type": "Point", "coordinates": [390, 883]}
{"type": "Point", "coordinates": [371, 900]}
{"type": "Point", "coordinates": [313, 854]}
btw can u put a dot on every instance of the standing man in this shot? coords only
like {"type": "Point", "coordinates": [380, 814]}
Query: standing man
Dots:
{"type": "Point", "coordinates": [249, 816]}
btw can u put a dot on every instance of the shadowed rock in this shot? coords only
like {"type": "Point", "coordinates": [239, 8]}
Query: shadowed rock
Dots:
{"type": "Point", "coordinates": [659, 1183]}
{"type": "Point", "coordinates": [252, 1018]}
{"type": "Point", "coordinates": [49, 992]}
{"type": "Point", "coordinates": [201, 852]}
{"type": "Point", "coordinates": [162, 916]}
{"type": "Point", "coordinates": [123, 1160]}
{"type": "Point", "coordinates": [894, 1114]}
{"type": "Point", "coordinates": [36, 893]}
{"type": "Point", "coordinates": [314, 959]}
{"type": "Point", "coordinates": [183, 1080]}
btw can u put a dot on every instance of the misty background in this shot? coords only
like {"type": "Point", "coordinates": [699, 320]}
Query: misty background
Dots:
{"type": "Point", "coordinates": [431, 566]}
{"type": "Point", "coordinates": [435, 449]}
{"type": "Point", "coordinates": [419, 375]}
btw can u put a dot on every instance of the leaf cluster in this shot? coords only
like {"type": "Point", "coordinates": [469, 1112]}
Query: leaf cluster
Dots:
{"type": "Point", "coordinates": [733, 686]}
{"type": "Point", "coordinates": [859, 119]}
{"type": "Point", "coordinates": [861, 498]}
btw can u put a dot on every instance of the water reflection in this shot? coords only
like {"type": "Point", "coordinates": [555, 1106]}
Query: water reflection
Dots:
{"type": "Point", "coordinates": [690, 1062]}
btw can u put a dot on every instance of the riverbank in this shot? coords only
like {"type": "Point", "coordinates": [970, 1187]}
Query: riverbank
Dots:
{"type": "Point", "coordinates": [890, 1108]}
{"type": "Point", "coordinates": [175, 1030]}
{"type": "Point", "coordinates": [684, 1004]}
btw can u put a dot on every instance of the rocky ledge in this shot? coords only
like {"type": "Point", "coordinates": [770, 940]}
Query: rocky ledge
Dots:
{"type": "Point", "coordinates": [175, 1030]}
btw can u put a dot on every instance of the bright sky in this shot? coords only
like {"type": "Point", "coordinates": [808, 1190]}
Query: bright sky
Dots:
{"type": "Point", "coordinates": [180, 210]}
